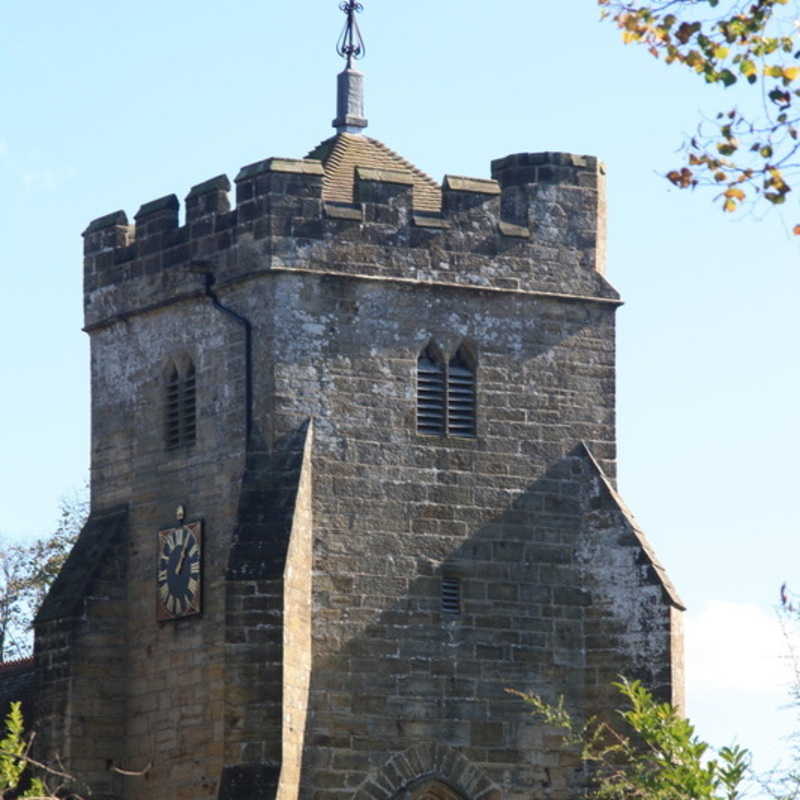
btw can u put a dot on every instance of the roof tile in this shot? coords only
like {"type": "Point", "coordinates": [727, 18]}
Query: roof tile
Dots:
{"type": "Point", "coordinates": [341, 154]}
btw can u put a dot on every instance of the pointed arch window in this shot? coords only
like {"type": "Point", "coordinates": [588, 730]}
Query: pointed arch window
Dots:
{"type": "Point", "coordinates": [460, 396]}
{"type": "Point", "coordinates": [180, 408]}
{"type": "Point", "coordinates": [431, 408]}
{"type": "Point", "coordinates": [446, 394]}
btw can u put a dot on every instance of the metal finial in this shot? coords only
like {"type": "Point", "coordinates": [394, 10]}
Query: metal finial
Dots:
{"type": "Point", "coordinates": [351, 43]}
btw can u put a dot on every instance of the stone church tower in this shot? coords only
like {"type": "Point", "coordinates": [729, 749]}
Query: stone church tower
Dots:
{"type": "Point", "coordinates": [353, 475]}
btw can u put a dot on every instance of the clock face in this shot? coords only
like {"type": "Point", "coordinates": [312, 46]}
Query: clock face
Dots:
{"type": "Point", "coordinates": [179, 577]}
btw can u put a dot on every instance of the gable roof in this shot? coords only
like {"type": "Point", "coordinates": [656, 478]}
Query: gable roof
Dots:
{"type": "Point", "coordinates": [638, 533]}
{"type": "Point", "coordinates": [341, 154]}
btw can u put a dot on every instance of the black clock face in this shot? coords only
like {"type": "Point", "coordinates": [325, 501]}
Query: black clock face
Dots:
{"type": "Point", "coordinates": [179, 581]}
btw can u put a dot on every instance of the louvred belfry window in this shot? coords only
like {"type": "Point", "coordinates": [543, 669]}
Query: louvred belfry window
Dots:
{"type": "Point", "coordinates": [460, 397]}
{"type": "Point", "coordinates": [180, 417]}
{"type": "Point", "coordinates": [189, 408]}
{"type": "Point", "coordinates": [446, 396]}
{"type": "Point", "coordinates": [431, 408]}
{"type": "Point", "coordinates": [172, 432]}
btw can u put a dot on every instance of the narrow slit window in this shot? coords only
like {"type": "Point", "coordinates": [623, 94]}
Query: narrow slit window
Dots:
{"type": "Point", "coordinates": [431, 409]}
{"type": "Point", "coordinates": [460, 397]}
{"type": "Point", "coordinates": [451, 595]}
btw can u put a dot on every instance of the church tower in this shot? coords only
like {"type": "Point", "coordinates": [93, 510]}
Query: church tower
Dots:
{"type": "Point", "coordinates": [353, 475]}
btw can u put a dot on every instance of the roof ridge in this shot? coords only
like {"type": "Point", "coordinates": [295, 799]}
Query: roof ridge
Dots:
{"type": "Point", "coordinates": [341, 153]}
{"type": "Point", "coordinates": [17, 662]}
{"type": "Point", "coordinates": [415, 169]}
{"type": "Point", "coordinates": [337, 157]}
{"type": "Point", "coordinates": [319, 151]}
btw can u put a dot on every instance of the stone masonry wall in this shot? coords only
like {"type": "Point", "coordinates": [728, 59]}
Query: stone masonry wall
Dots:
{"type": "Point", "coordinates": [281, 222]}
{"type": "Point", "coordinates": [342, 299]}
{"type": "Point", "coordinates": [394, 511]}
{"type": "Point", "coordinates": [174, 688]}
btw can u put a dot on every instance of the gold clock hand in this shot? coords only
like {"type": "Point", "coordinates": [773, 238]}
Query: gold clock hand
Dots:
{"type": "Point", "coordinates": [179, 565]}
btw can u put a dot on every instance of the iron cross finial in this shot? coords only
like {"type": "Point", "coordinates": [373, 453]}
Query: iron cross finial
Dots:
{"type": "Point", "coordinates": [351, 44]}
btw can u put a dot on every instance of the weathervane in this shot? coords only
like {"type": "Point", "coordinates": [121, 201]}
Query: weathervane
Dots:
{"type": "Point", "coordinates": [351, 43]}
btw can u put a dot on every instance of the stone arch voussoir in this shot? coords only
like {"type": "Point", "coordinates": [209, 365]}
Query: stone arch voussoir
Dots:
{"type": "Point", "coordinates": [416, 773]}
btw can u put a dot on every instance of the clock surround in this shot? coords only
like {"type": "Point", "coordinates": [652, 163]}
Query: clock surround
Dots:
{"type": "Point", "coordinates": [179, 572]}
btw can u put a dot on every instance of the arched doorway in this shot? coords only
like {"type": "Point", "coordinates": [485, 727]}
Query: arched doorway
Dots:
{"type": "Point", "coordinates": [429, 771]}
{"type": "Point", "coordinates": [429, 790]}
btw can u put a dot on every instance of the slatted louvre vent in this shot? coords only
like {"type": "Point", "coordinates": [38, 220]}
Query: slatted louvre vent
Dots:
{"type": "Point", "coordinates": [460, 398]}
{"type": "Point", "coordinates": [446, 396]}
{"type": "Point", "coordinates": [180, 409]}
{"type": "Point", "coordinates": [172, 424]}
{"type": "Point", "coordinates": [431, 408]}
{"type": "Point", "coordinates": [189, 409]}
{"type": "Point", "coordinates": [451, 595]}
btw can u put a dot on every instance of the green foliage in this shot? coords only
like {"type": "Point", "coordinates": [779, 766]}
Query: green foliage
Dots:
{"type": "Point", "coordinates": [27, 571]}
{"type": "Point", "coordinates": [14, 757]}
{"type": "Point", "coordinates": [744, 154]}
{"type": "Point", "coordinates": [653, 753]}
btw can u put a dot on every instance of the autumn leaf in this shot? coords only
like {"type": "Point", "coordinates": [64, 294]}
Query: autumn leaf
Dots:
{"type": "Point", "coordinates": [683, 179]}
{"type": "Point", "coordinates": [686, 31]}
{"type": "Point", "coordinates": [747, 40]}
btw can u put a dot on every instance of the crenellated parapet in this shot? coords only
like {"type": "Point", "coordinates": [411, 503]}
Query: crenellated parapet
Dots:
{"type": "Point", "coordinates": [537, 225]}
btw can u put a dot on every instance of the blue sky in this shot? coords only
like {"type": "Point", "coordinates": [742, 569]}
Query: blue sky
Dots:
{"type": "Point", "coordinates": [105, 107]}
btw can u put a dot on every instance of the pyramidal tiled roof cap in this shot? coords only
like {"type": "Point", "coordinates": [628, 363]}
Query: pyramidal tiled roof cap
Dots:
{"type": "Point", "coordinates": [343, 153]}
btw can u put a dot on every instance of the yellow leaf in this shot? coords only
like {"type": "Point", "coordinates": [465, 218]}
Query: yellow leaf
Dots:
{"type": "Point", "coordinates": [791, 73]}
{"type": "Point", "coordinates": [730, 205]}
{"type": "Point", "coordinates": [734, 194]}
{"type": "Point", "coordinates": [720, 51]}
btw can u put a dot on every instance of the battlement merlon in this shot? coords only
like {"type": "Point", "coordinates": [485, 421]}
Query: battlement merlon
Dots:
{"type": "Point", "coordinates": [537, 225]}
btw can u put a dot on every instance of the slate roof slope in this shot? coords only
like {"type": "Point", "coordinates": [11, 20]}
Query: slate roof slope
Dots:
{"type": "Point", "coordinates": [101, 531]}
{"type": "Point", "coordinates": [649, 552]}
{"type": "Point", "coordinates": [341, 154]}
